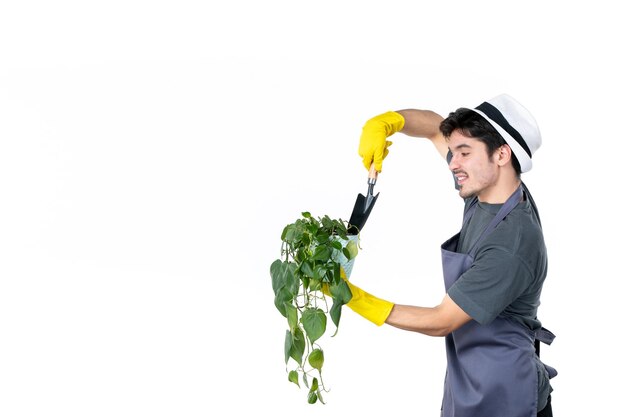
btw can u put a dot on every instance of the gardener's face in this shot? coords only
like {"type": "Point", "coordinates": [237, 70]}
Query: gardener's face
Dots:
{"type": "Point", "coordinates": [475, 171]}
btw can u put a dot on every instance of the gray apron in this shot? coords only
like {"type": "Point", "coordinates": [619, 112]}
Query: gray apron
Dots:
{"type": "Point", "coordinates": [491, 368]}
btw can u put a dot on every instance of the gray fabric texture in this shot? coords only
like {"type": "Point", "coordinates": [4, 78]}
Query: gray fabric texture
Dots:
{"type": "Point", "coordinates": [509, 268]}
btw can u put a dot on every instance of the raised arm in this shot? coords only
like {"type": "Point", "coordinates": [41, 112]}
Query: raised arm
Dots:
{"type": "Point", "coordinates": [412, 122]}
{"type": "Point", "coordinates": [424, 124]}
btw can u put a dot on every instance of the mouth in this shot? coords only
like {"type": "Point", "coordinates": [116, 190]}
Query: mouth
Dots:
{"type": "Point", "coordinates": [461, 177]}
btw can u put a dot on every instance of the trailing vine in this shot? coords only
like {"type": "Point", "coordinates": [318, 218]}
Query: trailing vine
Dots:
{"type": "Point", "coordinates": [313, 253]}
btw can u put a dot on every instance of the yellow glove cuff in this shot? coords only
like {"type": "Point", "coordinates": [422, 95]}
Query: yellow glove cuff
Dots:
{"type": "Point", "coordinates": [370, 307]}
{"type": "Point", "coordinates": [391, 121]}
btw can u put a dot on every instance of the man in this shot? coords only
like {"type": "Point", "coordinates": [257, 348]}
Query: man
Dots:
{"type": "Point", "coordinates": [494, 268]}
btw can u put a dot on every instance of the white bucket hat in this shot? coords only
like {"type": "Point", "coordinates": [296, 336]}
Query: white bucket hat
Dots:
{"type": "Point", "coordinates": [516, 125]}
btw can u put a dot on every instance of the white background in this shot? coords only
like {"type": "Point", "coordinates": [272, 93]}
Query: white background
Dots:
{"type": "Point", "coordinates": [152, 152]}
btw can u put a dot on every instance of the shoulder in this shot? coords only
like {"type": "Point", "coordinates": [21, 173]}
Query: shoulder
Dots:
{"type": "Point", "coordinates": [520, 236]}
{"type": "Point", "coordinates": [523, 222]}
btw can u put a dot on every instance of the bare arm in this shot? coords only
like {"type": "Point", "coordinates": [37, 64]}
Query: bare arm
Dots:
{"type": "Point", "coordinates": [425, 124]}
{"type": "Point", "coordinates": [432, 321]}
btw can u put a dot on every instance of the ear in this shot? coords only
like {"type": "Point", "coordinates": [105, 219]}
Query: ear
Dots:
{"type": "Point", "coordinates": [503, 155]}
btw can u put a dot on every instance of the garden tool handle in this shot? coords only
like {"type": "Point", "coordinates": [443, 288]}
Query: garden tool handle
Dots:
{"type": "Point", "coordinates": [372, 176]}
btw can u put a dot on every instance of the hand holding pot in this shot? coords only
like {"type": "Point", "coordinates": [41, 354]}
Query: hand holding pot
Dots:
{"type": "Point", "coordinates": [365, 304]}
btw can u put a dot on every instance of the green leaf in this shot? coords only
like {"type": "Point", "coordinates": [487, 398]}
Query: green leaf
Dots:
{"type": "Point", "coordinates": [297, 346]}
{"type": "Point", "coordinates": [305, 240]}
{"type": "Point", "coordinates": [321, 253]}
{"type": "Point", "coordinates": [288, 344]}
{"type": "Point", "coordinates": [312, 227]}
{"type": "Point", "coordinates": [292, 316]}
{"type": "Point", "coordinates": [314, 323]}
{"type": "Point", "coordinates": [300, 255]}
{"type": "Point", "coordinates": [342, 232]}
{"type": "Point", "coordinates": [319, 272]}
{"type": "Point", "coordinates": [322, 236]}
{"type": "Point", "coordinates": [276, 272]}
{"type": "Point", "coordinates": [316, 359]}
{"type": "Point", "coordinates": [336, 274]}
{"type": "Point", "coordinates": [307, 269]}
{"type": "Point", "coordinates": [341, 295]}
{"type": "Point", "coordinates": [335, 314]}
{"type": "Point", "coordinates": [332, 270]}
{"type": "Point", "coordinates": [292, 283]}
{"type": "Point", "coordinates": [284, 277]}
{"type": "Point", "coordinates": [306, 214]}
{"type": "Point", "coordinates": [305, 281]}
{"type": "Point", "coordinates": [336, 245]}
{"type": "Point", "coordinates": [341, 292]}
{"type": "Point", "coordinates": [315, 285]}
{"type": "Point", "coordinates": [294, 345]}
{"type": "Point", "coordinates": [293, 377]}
{"type": "Point", "coordinates": [289, 232]}
{"type": "Point", "coordinates": [314, 385]}
{"type": "Point", "coordinates": [282, 298]}
{"type": "Point", "coordinates": [319, 397]}
{"type": "Point", "coordinates": [351, 250]}
{"type": "Point", "coordinates": [312, 398]}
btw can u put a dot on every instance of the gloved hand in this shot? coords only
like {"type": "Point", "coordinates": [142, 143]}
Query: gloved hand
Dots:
{"type": "Point", "coordinates": [373, 145]}
{"type": "Point", "coordinates": [368, 306]}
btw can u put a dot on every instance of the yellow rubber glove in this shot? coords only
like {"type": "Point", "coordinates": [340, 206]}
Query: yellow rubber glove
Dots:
{"type": "Point", "coordinates": [368, 306]}
{"type": "Point", "coordinates": [373, 145]}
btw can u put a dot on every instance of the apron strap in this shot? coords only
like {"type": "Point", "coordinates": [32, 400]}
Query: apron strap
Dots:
{"type": "Point", "coordinates": [546, 336]}
{"type": "Point", "coordinates": [504, 211]}
{"type": "Point", "coordinates": [543, 335]}
{"type": "Point", "coordinates": [532, 202]}
{"type": "Point", "coordinates": [469, 211]}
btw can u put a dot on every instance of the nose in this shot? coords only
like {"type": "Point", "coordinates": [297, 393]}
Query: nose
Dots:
{"type": "Point", "coordinates": [453, 164]}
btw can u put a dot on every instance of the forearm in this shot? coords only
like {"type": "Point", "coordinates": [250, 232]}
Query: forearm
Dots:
{"type": "Point", "coordinates": [424, 124]}
{"type": "Point", "coordinates": [431, 321]}
{"type": "Point", "coordinates": [435, 321]}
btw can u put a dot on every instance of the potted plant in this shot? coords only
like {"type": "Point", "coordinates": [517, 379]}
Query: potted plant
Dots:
{"type": "Point", "coordinates": [316, 255]}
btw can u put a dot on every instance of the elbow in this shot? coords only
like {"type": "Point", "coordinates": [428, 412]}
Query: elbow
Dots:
{"type": "Point", "coordinates": [448, 321]}
{"type": "Point", "coordinates": [445, 328]}
{"type": "Point", "coordinates": [441, 331]}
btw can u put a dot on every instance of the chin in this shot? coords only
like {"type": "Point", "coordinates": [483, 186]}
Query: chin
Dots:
{"type": "Point", "coordinates": [466, 193]}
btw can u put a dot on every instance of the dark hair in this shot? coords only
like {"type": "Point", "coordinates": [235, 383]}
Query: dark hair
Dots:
{"type": "Point", "coordinates": [474, 125]}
